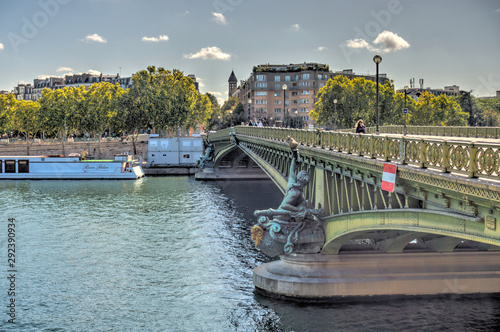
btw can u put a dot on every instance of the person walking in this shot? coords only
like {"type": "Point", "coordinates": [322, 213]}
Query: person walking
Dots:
{"type": "Point", "coordinates": [360, 127]}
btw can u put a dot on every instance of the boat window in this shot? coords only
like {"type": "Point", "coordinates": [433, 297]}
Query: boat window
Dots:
{"type": "Point", "coordinates": [10, 166]}
{"type": "Point", "coordinates": [1, 168]}
{"type": "Point", "coordinates": [23, 166]}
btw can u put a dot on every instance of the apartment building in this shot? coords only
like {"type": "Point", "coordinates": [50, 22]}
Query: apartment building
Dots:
{"type": "Point", "coordinates": [272, 91]}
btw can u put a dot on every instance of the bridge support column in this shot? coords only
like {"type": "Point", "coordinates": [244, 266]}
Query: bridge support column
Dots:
{"type": "Point", "coordinates": [316, 277]}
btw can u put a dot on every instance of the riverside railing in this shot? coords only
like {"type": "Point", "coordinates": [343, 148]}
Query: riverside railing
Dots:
{"type": "Point", "coordinates": [474, 159]}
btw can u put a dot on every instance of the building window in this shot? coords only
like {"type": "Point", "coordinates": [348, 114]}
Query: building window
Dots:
{"type": "Point", "coordinates": [306, 83]}
{"type": "Point", "coordinates": [277, 78]}
{"type": "Point", "coordinates": [294, 93]}
{"type": "Point", "coordinates": [304, 101]}
{"type": "Point", "coordinates": [277, 102]}
{"type": "Point", "coordinates": [277, 86]}
{"type": "Point", "coordinates": [261, 101]}
{"type": "Point", "coordinates": [294, 101]}
{"type": "Point", "coordinates": [287, 78]}
{"type": "Point", "coordinates": [303, 109]}
{"type": "Point", "coordinates": [304, 92]}
{"type": "Point", "coordinates": [261, 77]}
{"type": "Point", "coordinates": [277, 94]}
{"type": "Point", "coordinates": [10, 166]}
{"type": "Point", "coordinates": [261, 93]}
{"type": "Point", "coordinates": [306, 76]}
{"type": "Point", "coordinates": [277, 110]}
{"type": "Point", "coordinates": [261, 85]}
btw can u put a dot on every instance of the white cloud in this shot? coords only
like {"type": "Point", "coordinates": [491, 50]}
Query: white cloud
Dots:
{"type": "Point", "coordinates": [388, 41]}
{"type": "Point", "coordinates": [42, 77]}
{"type": "Point", "coordinates": [1, 46]}
{"type": "Point", "coordinates": [95, 38]}
{"type": "Point", "coordinates": [295, 27]}
{"type": "Point", "coordinates": [93, 72]}
{"type": "Point", "coordinates": [216, 93]}
{"type": "Point", "coordinates": [391, 42]}
{"type": "Point", "coordinates": [211, 53]}
{"type": "Point", "coordinates": [64, 69]}
{"type": "Point", "coordinates": [321, 48]}
{"type": "Point", "coordinates": [359, 43]}
{"type": "Point", "coordinates": [219, 18]}
{"type": "Point", "coordinates": [155, 39]}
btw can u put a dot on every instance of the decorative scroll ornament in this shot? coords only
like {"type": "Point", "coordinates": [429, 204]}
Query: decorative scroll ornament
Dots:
{"type": "Point", "coordinates": [296, 226]}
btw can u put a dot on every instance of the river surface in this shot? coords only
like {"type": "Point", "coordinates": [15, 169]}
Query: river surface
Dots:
{"type": "Point", "coordinates": [172, 254]}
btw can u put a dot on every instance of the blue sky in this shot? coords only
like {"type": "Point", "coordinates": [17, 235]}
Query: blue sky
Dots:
{"type": "Point", "coordinates": [445, 42]}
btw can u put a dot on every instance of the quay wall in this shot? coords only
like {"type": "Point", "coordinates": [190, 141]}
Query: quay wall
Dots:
{"type": "Point", "coordinates": [106, 151]}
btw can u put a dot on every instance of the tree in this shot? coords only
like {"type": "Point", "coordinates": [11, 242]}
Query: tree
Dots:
{"type": "Point", "coordinates": [489, 111]}
{"type": "Point", "coordinates": [168, 98]}
{"type": "Point", "coordinates": [59, 112]}
{"type": "Point", "coordinates": [228, 112]}
{"type": "Point", "coordinates": [26, 119]}
{"type": "Point", "coordinates": [214, 122]}
{"type": "Point", "coordinates": [7, 103]}
{"type": "Point", "coordinates": [356, 99]}
{"type": "Point", "coordinates": [437, 111]}
{"type": "Point", "coordinates": [132, 115]}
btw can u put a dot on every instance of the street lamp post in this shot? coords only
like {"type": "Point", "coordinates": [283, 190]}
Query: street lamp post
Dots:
{"type": "Point", "coordinates": [377, 59]}
{"type": "Point", "coordinates": [335, 105]}
{"type": "Point", "coordinates": [249, 107]}
{"type": "Point", "coordinates": [284, 87]}
{"type": "Point", "coordinates": [405, 111]}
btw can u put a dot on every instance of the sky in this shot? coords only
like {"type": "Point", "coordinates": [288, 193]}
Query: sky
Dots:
{"type": "Point", "coordinates": [443, 42]}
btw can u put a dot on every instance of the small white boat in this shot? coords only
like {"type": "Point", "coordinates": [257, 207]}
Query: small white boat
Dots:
{"type": "Point", "coordinates": [68, 167]}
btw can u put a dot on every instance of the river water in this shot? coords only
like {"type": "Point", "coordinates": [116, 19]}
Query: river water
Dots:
{"type": "Point", "coordinates": [172, 254]}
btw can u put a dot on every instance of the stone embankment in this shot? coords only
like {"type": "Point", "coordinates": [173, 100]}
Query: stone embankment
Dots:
{"type": "Point", "coordinates": [106, 150]}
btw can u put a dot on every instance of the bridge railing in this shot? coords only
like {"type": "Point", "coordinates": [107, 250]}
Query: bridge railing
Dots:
{"type": "Point", "coordinates": [474, 159]}
{"type": "Point", "coordinates": [445, 131]}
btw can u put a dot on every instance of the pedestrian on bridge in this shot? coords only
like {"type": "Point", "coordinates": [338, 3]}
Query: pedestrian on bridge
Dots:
{"type": "Point", "coordinates": [360, 127]}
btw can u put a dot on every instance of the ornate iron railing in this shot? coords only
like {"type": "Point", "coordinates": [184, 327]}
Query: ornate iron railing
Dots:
{"type": "Point", "coordinates": [445, 131]}
{"type": "Point", "coordinates": [474, 159]}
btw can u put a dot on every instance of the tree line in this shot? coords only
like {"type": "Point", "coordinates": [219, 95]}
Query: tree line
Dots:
{"type": "Point", "coordinates": [159, 98]}
{"type": "Point", "coordinates": [356, 99]}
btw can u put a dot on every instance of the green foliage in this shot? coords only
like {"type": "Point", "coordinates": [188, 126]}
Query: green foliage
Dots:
{"type": "Point", "coordinates": [437, 111]}
{"type": "Point", "coordinates": [169, 99]}
{"type": "Point", "coordinates": [27, 117]}
{"type": "Point", "coordinates": [356, 99]}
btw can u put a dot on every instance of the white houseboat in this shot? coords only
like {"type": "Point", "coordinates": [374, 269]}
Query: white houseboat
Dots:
{"type": "Point", "coordinates": [68, 167]}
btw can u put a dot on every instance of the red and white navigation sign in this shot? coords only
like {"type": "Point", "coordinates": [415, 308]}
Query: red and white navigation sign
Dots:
{"type": "Point", "coordinates": [389, 177]}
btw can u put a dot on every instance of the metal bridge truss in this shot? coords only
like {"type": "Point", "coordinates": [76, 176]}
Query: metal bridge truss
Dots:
{"type": "Point", "coordinates": [429, 210]}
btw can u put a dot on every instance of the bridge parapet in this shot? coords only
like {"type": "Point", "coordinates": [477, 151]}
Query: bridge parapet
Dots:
{"type": "Point", "coordinates": [471, 158]}
{"type": "Point", "coordinates": [445, 131]}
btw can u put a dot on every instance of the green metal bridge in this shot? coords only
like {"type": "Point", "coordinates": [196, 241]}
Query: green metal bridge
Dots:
{"type": "Point", "coordinates": [447, 189]}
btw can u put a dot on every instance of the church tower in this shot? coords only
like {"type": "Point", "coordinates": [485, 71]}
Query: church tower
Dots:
{"type": "Point", "coordinates": [233, 82]}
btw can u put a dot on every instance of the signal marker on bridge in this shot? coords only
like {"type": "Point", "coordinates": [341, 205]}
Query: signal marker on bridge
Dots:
{"type": "Point", "coordinates": [389, 177]}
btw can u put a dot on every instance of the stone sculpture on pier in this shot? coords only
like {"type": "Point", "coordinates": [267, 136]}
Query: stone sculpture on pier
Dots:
{"type": "Point", "coordinates": [295, 226]}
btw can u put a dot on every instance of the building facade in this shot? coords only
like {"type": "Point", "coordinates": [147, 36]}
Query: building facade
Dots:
{"type": "Point", "coordinates": [413, 92]}
{"type": "Point", "coordinates": [272, 91]}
